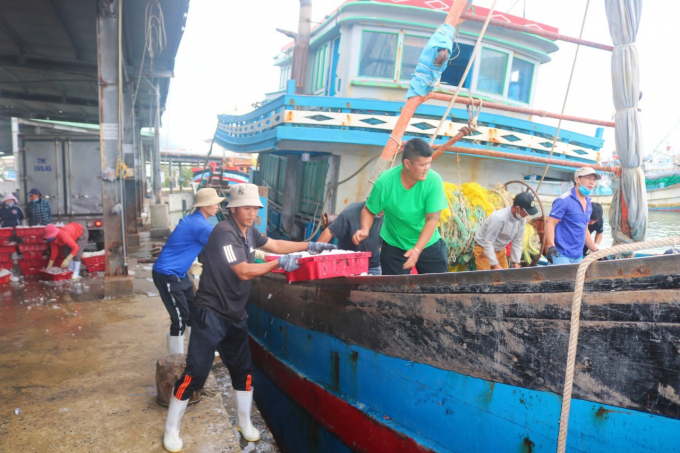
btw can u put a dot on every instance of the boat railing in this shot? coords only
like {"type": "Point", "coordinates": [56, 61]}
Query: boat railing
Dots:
{"type": "Point", "coordinates": [361, 116]}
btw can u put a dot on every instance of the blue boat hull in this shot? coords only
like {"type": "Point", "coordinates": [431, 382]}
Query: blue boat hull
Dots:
{"type": "Point", "coordinates": [440, 410]}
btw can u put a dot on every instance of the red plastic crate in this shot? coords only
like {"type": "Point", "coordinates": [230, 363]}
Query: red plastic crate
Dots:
{"type": "Point", "coordinates": [334, 265]}
{"type": "Point", "coordinates": [8, 265]}
{"type": "Point", "coordinates": [39, 255]}
{"type": "Point", "coordinates": [66, 275]}
{"type": "Point", "coordinates": [5, 279]}
{"type": "Point", "coordinates": [96, 267]}
{"type": "Point", "coordinates": [32, 264]}
{"type": "Point", "coordinates": [5, 257]}
{"type": "Point", "coordinates": [33, 240]}
{"type": "Point", "coordinates": [31, 231]}
{"type": "Point", "coordinates": [94, 260]}
{"type": "Point", "coordinates": [23, 248]}
{"type": "Point", "coordinates": [30, 272]}
{"type": "Point", "coordinates": [7, 249]}
{"type": "Point", "coordinates": [6, 232]}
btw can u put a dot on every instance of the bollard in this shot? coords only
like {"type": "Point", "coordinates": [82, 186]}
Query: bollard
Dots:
{"type": "Point", "coordinates": [168, 370]}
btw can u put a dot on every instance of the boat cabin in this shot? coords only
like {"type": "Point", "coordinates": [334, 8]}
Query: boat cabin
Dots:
{"type": "Point", "coordinates": [360, 61]}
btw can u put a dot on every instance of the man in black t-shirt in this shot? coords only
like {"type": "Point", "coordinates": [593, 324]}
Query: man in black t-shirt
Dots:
{"type": "Point", "coordinates": [344, 227]}
{"type": "Point", "coordinates": [221, 322]}
{"type": "Point", "coordinates": [595, 224]}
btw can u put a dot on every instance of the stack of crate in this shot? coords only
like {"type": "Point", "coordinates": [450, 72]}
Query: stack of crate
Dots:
{"type": "Point", "coordinates": [32, 251]}
{"type": "Point", "coordinates": [7, 248]}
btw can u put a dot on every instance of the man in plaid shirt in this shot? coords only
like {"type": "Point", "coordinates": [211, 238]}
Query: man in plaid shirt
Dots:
{"type": "Point", "coordinates": [38, 210]}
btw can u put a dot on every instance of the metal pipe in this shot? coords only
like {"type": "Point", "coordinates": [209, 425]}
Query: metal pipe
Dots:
{"type": "Point", "coordinates": [456, 12]}
{"type": "Point", "coordinates": [537, 32]}
{"type": "Point", "coordinates": [157, 148]}
{"type": "Point", "coordinates": [539, 160]}
{"type": "Point", "coordinates": [463, 132]}
{"type": "Point", "coordinates": [509, 108]}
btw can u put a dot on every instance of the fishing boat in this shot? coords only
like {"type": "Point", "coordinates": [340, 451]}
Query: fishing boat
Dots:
{"type": "Point", "coordinates": [229, 172]}
{"type": "Point", "coordinates": [567, 358]}
{"type": "Point", "coordinates": [314, 143]}
{"type": "Point", "coordinates": [470, 361]}
{"type": "Point", "coordinates": [662, 178]}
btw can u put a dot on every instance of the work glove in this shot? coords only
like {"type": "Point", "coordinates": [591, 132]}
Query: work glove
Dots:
{"type": "Point", "coordinates": [49, 264]}
{"type": "Point", "coordinates": [289, 263]}
{"type": "Point", "coordinates": [196, 269]}
{"type": "Point", "coordinates": [260, 255]}
{"type": "Point", "coordinates": [319, 247]}
{"type": "Point", "coordinates": [551, 254]}
{"type": "Point", "coordinates": [67, 260]}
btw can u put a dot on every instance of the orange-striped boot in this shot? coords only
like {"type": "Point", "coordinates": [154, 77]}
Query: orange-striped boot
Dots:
{"type": "Point", "coordinates": [176, 408]}
{"type": "Point", "coordinates": [244, 402]}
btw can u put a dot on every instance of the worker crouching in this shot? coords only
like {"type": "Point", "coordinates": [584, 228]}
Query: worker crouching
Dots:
{"type": "Point", "coordinates": [503, 227]}
{"type": "Point", "coordinates": [70, 240]}
{"type": "Point", "coordinates": [220, 320]}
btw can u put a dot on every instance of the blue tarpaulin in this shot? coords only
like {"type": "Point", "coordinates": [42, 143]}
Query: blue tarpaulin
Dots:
{"type": "Point", "coordinates": [427, 74]}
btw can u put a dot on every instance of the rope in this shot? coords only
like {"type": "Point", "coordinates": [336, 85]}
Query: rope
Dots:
{"type": "Point", "coordinates": [575, 319]}
{"type": "Point", "coordinates": [566, 96]}
{"type": "Point", "coordinates": [465, 74]}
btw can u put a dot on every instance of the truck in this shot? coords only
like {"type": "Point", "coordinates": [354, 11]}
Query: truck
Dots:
{"type": "Point", "coordinates": [67, 171]}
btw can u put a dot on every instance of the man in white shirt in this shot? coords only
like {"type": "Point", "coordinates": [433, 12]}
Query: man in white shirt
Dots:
{"type": "Point", "coordinates": [501, 228]}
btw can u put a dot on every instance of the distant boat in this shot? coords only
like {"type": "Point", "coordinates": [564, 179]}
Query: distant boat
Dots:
{"type": "Point", "coordinates": [662, 178]}
{"type": "Point", "coordinates": [230, 173]}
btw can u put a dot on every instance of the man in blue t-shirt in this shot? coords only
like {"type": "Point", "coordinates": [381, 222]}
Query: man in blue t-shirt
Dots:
{"type": "Point", "coordinates": [566, 230]}
{"type": "Point", "coordinates": [170, 270]}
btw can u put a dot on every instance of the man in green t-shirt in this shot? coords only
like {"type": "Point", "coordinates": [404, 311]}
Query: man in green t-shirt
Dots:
{"type": "Point", "coordinates": [412, 197]}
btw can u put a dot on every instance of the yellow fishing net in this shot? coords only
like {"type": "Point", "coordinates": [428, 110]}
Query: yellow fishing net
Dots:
{"type": "Point", "coordinates": [469, 205]}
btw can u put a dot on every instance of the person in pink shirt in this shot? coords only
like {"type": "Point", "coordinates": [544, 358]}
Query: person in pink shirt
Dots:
{"type": "Point", "coordinates": [72, 237]}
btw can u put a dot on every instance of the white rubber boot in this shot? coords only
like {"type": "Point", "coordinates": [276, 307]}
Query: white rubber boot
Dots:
{"type": "Point", "coordinates": [76, 270]}
{"type": "Point", "coordinates": [70, 265]}
{"type": "Point", "coordinates": [244, 402]}
{"type": "Point", "coordinates": [176, 408]}
{"type": "Point", "coordinates": [175, 344]}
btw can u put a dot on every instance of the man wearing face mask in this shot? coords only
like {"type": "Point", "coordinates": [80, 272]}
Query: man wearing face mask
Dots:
{"type": "Point", "coordinates": [501, 228]}
{"type": "Point", "coordinates": [566, 231]}
{"type": "Point", "coordinates": [38, 209]}
{"type": "Point", "coordinates": [11, 214]}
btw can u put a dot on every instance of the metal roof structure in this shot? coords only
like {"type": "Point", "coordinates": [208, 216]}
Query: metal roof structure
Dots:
{"type": "Point", "coordinates": [48, 56]}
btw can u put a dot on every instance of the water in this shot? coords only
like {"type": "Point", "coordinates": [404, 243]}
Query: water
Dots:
{"type": "Point", "coordinates": [660, 225]}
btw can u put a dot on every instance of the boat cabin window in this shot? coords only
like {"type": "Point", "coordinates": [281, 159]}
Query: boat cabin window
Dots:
{"type": "Point", "coordinates": [378, 54]}
{"type": "Point", "coordinates": [320, 65]}
{"type": "Point", "coordinates": [521, 78]}
{"type": "Point", "coordinates": [492, 68]}
{"type": "Point", "coordinates": [454, 72]}
{"type": "Point", "coordinates": [283, 79]}
{"type": "Point", "coordinates": [412, 48]}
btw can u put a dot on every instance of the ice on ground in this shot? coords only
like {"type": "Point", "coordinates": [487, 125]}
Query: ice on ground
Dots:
{"type": "Point", "coordinates": [56, 270]}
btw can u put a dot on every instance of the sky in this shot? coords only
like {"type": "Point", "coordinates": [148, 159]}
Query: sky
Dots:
{"type": "Point", "coordinates": [225, 61]}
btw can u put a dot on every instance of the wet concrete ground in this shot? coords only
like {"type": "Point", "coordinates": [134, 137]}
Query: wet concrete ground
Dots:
{"type": "Point", "coordinates": [79, 372]}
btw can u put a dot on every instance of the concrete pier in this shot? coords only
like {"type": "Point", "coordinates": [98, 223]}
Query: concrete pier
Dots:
{"type": "Point", "coordinates": [79, 371]}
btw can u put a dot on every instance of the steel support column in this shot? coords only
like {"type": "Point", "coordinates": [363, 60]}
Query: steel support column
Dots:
{"type": "Point", "coordinates": [140, 165]}
{"type": "Point", "coordinates": [130, 203]}
{"type": "Point", "coordinates": [157, 149]}
{"type": "Point", "coordinates": [116, 282]}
